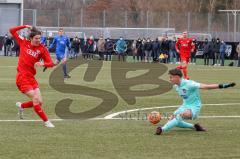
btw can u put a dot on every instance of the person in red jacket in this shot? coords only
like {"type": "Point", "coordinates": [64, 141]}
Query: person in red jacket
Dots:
{"type": "Point", "coordinates": [31, 52]}
{"type": "Point", "coordinates": [184, 47]}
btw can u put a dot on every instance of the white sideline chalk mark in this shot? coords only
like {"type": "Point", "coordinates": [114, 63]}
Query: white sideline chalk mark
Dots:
{"type": "Point", "coordinates": [139, 119]}
{"type": "Point", "coordinates": [110, 116]}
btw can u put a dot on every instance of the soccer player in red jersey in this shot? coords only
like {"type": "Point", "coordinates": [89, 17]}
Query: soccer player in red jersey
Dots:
{"type": "Point", "coordinates": [31, 52]}
{"type": "Point", "coordinates": [184, 47]}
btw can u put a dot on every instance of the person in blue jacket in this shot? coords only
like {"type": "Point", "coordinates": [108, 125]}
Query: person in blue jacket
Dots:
{"type": "Point", "coordinates": [61, 42]}
{"type": "Point", "coordinates": [43, 39]}
{"type": "Point", "coordinates": [121, 48]}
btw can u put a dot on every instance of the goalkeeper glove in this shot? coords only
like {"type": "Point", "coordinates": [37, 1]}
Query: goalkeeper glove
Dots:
{"type": "Point", "coordinates": [226, 85]}
{"type": "Point", "coordinates": [44, 69]}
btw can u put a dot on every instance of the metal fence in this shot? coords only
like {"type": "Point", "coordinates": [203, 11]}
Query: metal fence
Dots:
{"type": "Point", "coordinates": [218, 25]}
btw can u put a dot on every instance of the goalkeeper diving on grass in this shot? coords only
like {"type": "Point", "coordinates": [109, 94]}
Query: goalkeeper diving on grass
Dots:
{"type": "Point", "coordinates": [191, 107]}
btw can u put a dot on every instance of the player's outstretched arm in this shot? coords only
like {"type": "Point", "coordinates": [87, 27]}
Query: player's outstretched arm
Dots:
{"type": "Point", "coordinates": [47, 60]}
{"type": "Point", "coordinates": [14, 31]}
{"type": "Point", "coordinates": [217, 86]}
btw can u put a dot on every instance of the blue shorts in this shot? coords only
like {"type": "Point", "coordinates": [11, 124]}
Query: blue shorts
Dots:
{"type": "Point", "coordinates": [195, 111]}
{"type": "Point", "coordinates": [60, 57]}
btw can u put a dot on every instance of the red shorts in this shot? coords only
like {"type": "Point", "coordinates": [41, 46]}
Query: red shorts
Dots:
{"type": "Point", "coordinates": [26, 83]}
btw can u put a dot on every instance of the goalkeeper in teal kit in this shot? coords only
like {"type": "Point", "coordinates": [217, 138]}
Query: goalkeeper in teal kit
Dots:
{"type": "Point", "coordinates": [191, 107]}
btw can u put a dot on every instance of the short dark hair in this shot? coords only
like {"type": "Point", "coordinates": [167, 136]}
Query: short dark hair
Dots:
{"type": "Point", "coordinates": [175, 72]}
{"type": "Point", "coordinates": [33, 32]}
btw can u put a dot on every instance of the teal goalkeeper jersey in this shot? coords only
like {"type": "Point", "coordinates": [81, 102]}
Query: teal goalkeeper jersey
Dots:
{"type": "Point", "coordinates": [189, 91]}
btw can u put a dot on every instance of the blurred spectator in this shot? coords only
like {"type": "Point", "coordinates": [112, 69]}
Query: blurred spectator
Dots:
{"type": "Point", "coordinates": [8, 45]}
{"type": "Point", "coordinates": [165, 50]}
{"type": "Point", "coordinates": [142, 55]}
{"type": "Point", "coordinates": [109, 49]}
{"type": "Point", "coordinates": [84, 47]}
{"type": "Point", "coordinates": [17, 48]}
{"type": "Point", "coordinates": [238, 51]}
{"type": "Point", "coordinates": [90, 48]}
{"type": "Point", "coordinates": [139, 49]}
{"type": "Point", "coordinates": [193, 54]}
{"type": "Point", "coordinates": [43, 40]}
{"type": "Point", "coordinates": [75, 47]}
{"type": "Point", "coordinates": [48, 42]}
{"type": "Point", "coordinates": [101, 48]}
{"type": "Point", "coordinates": [222, 50]}
{"type": "Point", "coordinates": [156, 50]}
{"type": "Point", "coordinates": [206, 51]}
{"type": "Point", "coordinates": [148, 50]}
{"type": "Point", "coordinates": [216, 49]}
{"type": "Point", "coordinates": [212, 52]}
{"type": "Point", "coordinates": [172, 51]}
{"type": "Point", "coordinates": [134, 50]}
{"type": "Point", "coordinates": [4, 44]}
{"type": "Point", "coordinates": [121, 47]}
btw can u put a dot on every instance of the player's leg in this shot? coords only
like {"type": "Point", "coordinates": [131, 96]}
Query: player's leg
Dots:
{"type": "Point", "coordinates": [178, 118]}
{"type": "Point", "coordinates": [180, 62]}
{"type": "Point", "coordinates": [22, 106]}
{"type": "Point", "coordinates": [64, 67]}
{"type": "Point", "coordinates": [24, 85]}
{"type": "Point", "coordinates": [36, 97]}
{"type": "Point", "coordinates": [177, 121]}
{"type": "Point", "coordinates": [186, 114]}
{"type": "Point", "coordinates": [184, 68]}
{"type": "Point", "coordinates": [123, 56]}
{"type": "Point", "coordinates": [189, 114]}
{"type": "Point", "coordinates": [173, 122]}
{"type": "Point", "coordinates": [118, 55]}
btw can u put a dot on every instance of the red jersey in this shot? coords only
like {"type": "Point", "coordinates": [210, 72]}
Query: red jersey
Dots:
{"type": "Point", "coordinates": [29, 54]}
{"type": "Point", "coordinates": [184, 46]}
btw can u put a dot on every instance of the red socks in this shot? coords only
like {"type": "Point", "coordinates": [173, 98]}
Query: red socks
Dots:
{"type": "Point", "coordinates": [37, 108]}
{"type": "Point", "coordinates": [40, 112]}
{"type": "Point", "coordinates": [179, 67]}
{"type": "Point", "coordinates": [184, 70]}
{"type": "Point", "coordinates": [27, 104]}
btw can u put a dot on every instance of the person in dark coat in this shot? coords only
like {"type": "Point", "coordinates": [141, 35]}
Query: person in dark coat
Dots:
{"type": "Point", "coordinates": [216, 49]}
{"type": "Point", "coordinates": [156, 49]}
{"type": "Point", "coordinates": [206, 51]}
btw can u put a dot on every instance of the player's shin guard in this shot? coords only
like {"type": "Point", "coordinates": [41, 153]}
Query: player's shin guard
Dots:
{"type": "Point", "coordinates": [40, 112]}
{"type": "Point", "coordinates": [28, 104]}
{"type": "Point", "coordinates": [172, 123]}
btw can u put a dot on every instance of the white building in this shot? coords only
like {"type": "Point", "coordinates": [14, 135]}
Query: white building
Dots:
{"type": "Point", "coordinates": [11, 14]}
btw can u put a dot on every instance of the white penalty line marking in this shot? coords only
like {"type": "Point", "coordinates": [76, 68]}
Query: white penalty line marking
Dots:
{"type": "Point", "coordinates": [139, 119]}
{"type": "Point", "coordinates": [111, 116]}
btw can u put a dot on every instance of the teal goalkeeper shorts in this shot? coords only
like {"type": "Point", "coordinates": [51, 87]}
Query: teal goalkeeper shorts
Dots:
{"type": "Point", "coordinates": [195, 111]}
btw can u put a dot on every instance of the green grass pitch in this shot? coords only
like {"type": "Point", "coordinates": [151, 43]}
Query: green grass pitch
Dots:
{"type": "Point", "coordinates": [119, 139]}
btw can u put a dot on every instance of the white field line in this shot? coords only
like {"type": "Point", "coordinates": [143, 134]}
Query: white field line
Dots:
{"type": "Point", "coordinates": [140, 119]}
{"type": "Point", "coordinates": [111, 116]}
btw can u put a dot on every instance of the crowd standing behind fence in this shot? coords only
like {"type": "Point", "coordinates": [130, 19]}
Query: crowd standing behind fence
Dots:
{"type": "Point", "coordinates": [143, 49]}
